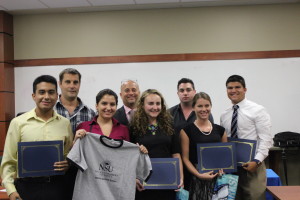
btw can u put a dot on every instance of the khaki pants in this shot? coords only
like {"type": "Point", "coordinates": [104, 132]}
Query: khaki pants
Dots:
{"type": "Point", "coordinates": [252, 186]}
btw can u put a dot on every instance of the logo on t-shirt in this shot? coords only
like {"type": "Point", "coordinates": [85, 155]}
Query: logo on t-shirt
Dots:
{"type": "Point", "coordinates": [107, 172]}
{"type": "Point", "coordinates": [106, 167]}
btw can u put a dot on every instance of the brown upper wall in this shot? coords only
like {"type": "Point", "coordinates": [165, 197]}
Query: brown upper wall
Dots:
{"type": "Point", "coordinates": [161, 31]}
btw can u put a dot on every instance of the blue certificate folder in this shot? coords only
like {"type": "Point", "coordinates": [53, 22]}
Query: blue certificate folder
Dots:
{"type": "Point", "coordinates": [245, 150]}
{"type": "Point", "coordinates": [38, 158]}
{"type": "Point", "coordinates": [165, 174]}
{"type": "Point", "coordinates": [215, 156]}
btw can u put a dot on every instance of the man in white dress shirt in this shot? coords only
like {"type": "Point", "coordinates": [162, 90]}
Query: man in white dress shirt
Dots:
{"type": "Point", "coordinates": [253, 123]}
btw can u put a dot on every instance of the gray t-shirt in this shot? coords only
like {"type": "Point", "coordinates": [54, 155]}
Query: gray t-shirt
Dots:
{"type": "Point", "coordinates": [108, 168]}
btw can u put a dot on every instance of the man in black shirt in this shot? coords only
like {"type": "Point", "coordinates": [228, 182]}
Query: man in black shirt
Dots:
{"type": "Point", "coordinates": [183, 113]}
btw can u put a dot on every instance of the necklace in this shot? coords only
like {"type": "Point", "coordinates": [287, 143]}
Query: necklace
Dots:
{"type": "Point", "coordinates": [153, 128]}
{"type": "Point", "coordinates": [205, 133]}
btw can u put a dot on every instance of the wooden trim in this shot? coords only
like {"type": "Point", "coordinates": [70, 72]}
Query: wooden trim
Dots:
{"type": "Point", "coordinates": [7, 83]}
{"type": "Point", "coordinates": [6, 23]}
{"type": "Point", "coordinates": [158, 58]}
{"type": "Point", "coordinates": [7, 106]}
{"type": "Point", "coordinates": [3, 130]}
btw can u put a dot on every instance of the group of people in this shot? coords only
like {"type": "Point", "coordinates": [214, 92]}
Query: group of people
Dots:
{"type": "Point", "coordinates": [145, 120]}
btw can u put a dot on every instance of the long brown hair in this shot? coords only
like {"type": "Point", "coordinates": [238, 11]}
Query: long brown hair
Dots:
{"type": "Point", "coordinates": [140, 120]}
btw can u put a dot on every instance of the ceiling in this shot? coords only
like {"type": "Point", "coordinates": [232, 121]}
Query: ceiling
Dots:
{"type": "Point", "coordinates": [18, 7]}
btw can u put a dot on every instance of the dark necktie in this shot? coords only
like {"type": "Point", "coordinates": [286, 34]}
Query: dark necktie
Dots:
{"type": "Point", "coordinates": [234, 121]}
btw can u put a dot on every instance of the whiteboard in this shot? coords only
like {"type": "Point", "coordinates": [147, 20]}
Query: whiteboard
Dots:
{"type": "Point", "coordinates": [273, 83]}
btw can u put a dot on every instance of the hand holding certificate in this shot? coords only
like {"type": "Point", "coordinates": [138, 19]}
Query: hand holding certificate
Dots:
{"type": "Point", "coordinates": [226, 156]}
{"type": "Point", "coordinates": [216, 156]}
{"type": "Point", "coordinates": [245, 150]}
{"type": "Point", "coordinates": [165, 174]}
{"type": "Point", "coordinates": [42, 158]}
{"type": "Point", "coordinates": [61, 166]}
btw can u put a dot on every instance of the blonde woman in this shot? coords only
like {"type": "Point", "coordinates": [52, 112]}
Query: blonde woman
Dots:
{"type": "Point", "coordinates": [201, 131]}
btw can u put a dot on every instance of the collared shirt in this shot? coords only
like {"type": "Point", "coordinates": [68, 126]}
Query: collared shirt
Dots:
{"type": "Point", "coordinates": [28, 128]}
{"type": "Point", "coordinates": [81, 113]}
{"type": "Point", "coordinates": [179, 120]}
{"type": "Point", "coordinates": [119, 131]}
{"type": "Point", "coordinates": [127, 111]}
{"type": "Point", "coordinates": [254, 123]}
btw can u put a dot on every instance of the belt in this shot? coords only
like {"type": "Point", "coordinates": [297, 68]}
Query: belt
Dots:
{"type": "Point", "coordinates": [44, 179]}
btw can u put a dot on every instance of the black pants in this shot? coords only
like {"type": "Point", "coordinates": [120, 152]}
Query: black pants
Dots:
{"type": "Point", "coordinates": [41, 188]}
{"type": "Point", "coordinates": [69, 179]}
{"type": "Point", "coordinates": [155, 195]}
{"type": "Point", "coordinates": [201, 189]}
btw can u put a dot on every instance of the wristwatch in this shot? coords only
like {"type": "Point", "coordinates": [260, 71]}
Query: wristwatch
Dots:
{"type": "Point", "coordinates": [258, 163]}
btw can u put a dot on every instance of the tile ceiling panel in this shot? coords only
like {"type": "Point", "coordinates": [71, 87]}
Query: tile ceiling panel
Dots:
{"type": "Point", "coordinates": [156, 1]}
{"type": "Point", "coordinates": [21, 4]}
{"type": "Point", "coordinates": [208, 0]}
{"type": "Point", "coordinates": [240, 1]}
{"type": "Point", "coordinates": [16, 7]}
{"type": "Point", "coordinates": [198, 3]}
{"type": "Point", "coordinates": [111, 2]}
{"type": "Point", "coordinates": [123, 7]}
{"type": "Point", "coordinates": [65, 3]}
{"type": "Point", "coordinates": [158, 6]}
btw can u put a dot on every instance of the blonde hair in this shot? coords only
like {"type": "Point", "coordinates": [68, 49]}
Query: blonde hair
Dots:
{"type": "Point", "coordinates": [201, 95]}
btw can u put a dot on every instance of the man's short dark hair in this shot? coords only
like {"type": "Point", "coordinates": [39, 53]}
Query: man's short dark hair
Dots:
{"type": "Point", "coordinates": [185, 80]}
{"type": "Point", "coordinates": [44, 78]}
{"type": "Point", "coordinates": [236, 78]}
{"type": "Point", "coordinates": [101, 94]}
{"type": "Point", "coordinates": [69, 71]}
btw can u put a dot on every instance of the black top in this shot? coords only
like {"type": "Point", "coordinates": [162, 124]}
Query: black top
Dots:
{"type": "Point", "coordinates": [121, 117]}
{"type": "Point", "coordinates": [179, 119]}
{"type": "Point", "coordinates": [196, 136]}
{"type": "Point", "coordinates": [159, 145]}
